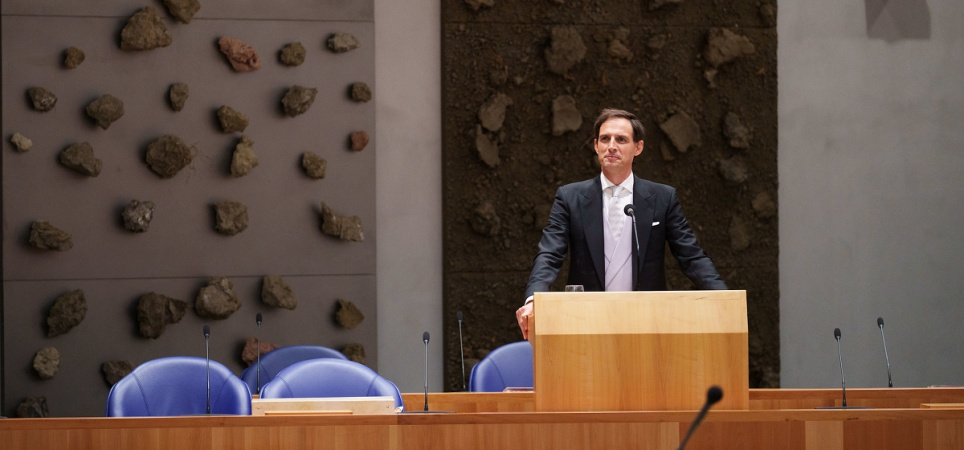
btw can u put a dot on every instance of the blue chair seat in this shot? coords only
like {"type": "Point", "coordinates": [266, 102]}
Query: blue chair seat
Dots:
{"type": "Point", "coordinates": [328, 377]}
{"type": "Point", "coordinates": [507, 366]}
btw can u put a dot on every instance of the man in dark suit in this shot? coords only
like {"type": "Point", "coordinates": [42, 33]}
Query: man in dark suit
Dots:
{"type": "Point", "coordinates": [588, 219]}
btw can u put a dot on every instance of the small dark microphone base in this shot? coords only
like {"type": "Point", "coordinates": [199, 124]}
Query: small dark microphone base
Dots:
{"type": "Point", "coordinates": [428, 412]}
{"type": "Point", "coordinates": [843, 407]}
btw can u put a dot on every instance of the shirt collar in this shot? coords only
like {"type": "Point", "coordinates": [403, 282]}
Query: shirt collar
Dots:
{"type": "Point", "coordinates": [626, 184]}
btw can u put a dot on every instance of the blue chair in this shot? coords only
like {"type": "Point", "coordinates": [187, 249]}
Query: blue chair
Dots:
{"type": "Point", "coordinates": [276, 360]}
{"type": "Point", "coordinates": [329, 377]}
{"type": "Point", "coordinates": [507, 366]}
{"type": "Point", "coordinates": [177, 386]}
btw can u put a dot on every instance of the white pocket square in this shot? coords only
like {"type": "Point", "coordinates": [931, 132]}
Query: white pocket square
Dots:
{"type": "Point", "coordinates": [655, 223]}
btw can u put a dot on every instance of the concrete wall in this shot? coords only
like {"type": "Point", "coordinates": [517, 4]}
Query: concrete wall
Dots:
{"type": "Point", "coordinates": [871, 153]}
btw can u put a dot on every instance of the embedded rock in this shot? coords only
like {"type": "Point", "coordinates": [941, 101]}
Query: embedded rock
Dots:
{"type": "Point", "coordinates": [359, 140]}
{"type": "Point", "coordinates": [683, 131]}
{"type": "Point", "coordinates": [47, 237]}
{"type": "Point", "coordinates": [145, 31]}
{"type": "Point", "coordinates": [115, 370]}
{"type": "Point", "coordinates": [297, 100]}
{"type": "Point", "coordinates": [41, 99]}
{"type": "Point", "coordinates": [739, 238]}
{"type": "Point", "coordinates": [155, 312]}
{"type": "Point", "coordinates": [21, 142]}
{"type": "Point", "coordinates": [178, 95]}
{"type": "Point", "coordinates": [565, 50]}
{"type": "Point", "coordinates": [723, 46]}
{"type": "Point", "coordinates": [734, 171]}
{"type": "Point", "coordinates": [231, 217]}
{"type": "Point", "coordinates": [344, 227]}
{"type": "Point", "coordinates": [73, 57]}
{"type": "Point", "coordinates": [46, 363]}
{"type": "Point", "coordinates": [183, 10]}
{"type": "Point", "coordinates": [617, 45]}
{"type": "Point", "coordinates": [348, 315]}
{"type": "Point", "coordinates": [764, 206]}
{"type": "Point", "coordinates": [249, 354]}
{"type": "Point", "coordinates": [355, 352]}
{"type": "Point", "coordinates": [492, 112]}
{"type": "Point", "coordinates": [657, 4]}
{"type": "Point", "coordinates": [243, 160]}
{"type": "Point", "coordinates": [275, 292]}
{"type": "Point", "coordinates": [476, 4]}
{"type": "Point", "coordinates": [231, 120]}
{"type": "Point", "coordinates": [737, 133]}
{"type": "Point", "coordinates": [293, 54]}
{"type": "Point", "coordinates": [360, 92]}
{"type": "Point", "coordinates": [485, 220]}
{"type": "Point", "coordinates": [488, 150]}
{"type": "Point", "coordinates": [105, 110]}
{"type": "Point", "coordinates": [565, 115]}
{"type": "Point", "coordinates": [33, 407]}
{"type": "Point", "coordinates": [80, 157]}
{"type": "Point", "coordinates": [168, 155]}
{"type": "Point", "coordinates": [243, 57]}
{"type": "Point", "coordinates": [314, 165]}
{"type": "Point", "coordinates": [217, 300]}
{"type": "Point", "coordinates": [342, 42]}
{"type": "Point", "coordinates": [68, 311]}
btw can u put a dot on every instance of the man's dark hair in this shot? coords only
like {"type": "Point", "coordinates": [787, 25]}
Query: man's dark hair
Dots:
{"type": "Point", "coordinates": [638, 131]}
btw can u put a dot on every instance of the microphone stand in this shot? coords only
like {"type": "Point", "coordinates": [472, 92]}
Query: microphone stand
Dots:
{"type": "Point", "coordinates": [461, 349]}
{"type": "Point", "coordinates": [880, 324]}
{"type": "Point", "coordinates": [207, 357]}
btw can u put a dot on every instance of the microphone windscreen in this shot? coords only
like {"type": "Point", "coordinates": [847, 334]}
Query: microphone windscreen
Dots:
{"type": "Point", "coordinates": [629, 210]}
{"type": "Point", "coordinates": [207, 331]}
{"type": "Point", "coordinates": [836, 333]}
{"type": "Point", "coordinates": [458, 316]}
{"type": "Point", "coordinates": [713, 395]}
{"type": "Point", "coordinates": [425, 337]}
{"type": "Point", "coordinates": [258, 318]}
{"type": "Point", "coordinates": [880, 322]}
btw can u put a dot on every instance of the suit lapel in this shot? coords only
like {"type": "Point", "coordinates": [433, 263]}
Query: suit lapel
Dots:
{"type": "Point", "coordinates": [644, 202]}
{"type": "Point", "coordinates": [592, 210]}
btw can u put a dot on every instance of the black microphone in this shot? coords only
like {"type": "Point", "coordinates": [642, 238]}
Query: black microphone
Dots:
{"type": "Point", "coordinates": [631, 212]}
{"type": "Point", "coordinates": [843, 381]}
{"type": "Point", "coordinates": [713, 395]}
{"type": "Point", "coordinates": [207, 357]}
{"type": "Point", "coordinates": [458, 316]}
{"type": "Point", "coordinates": [258, 320]}
{"type": "Point", "coordinates": [880, 324]}
{"type": "Point", "coordinates": [425, 337]}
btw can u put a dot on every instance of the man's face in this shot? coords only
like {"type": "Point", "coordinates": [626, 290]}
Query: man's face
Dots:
{"type": "Point", "coordinates": [616, 149]}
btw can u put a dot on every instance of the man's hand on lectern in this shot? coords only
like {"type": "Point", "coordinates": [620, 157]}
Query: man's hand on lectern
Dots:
{"type": "Point", "coordinates": [522, 316]}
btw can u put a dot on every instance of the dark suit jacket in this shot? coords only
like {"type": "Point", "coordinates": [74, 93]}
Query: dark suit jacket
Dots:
{"type": "Point", "coordinates": [576, 225]}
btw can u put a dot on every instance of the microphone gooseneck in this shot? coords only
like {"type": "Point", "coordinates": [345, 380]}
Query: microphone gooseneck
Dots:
{"type": "Point", "coordinates": [843, 381]}
{"type": "Point", "coordinates": [713, 395]}
{"type": "Point", "coordinates": [207, 372]}
{"type": "Point", "coordinates": [880, 324]}
{"type": "Point", "coordinates": [631, 212]}
{"type": "Point", "coordinates": [258, 320]}
{"type": "Point", "coordinates": [425, 338]}
{"type": "Point", "coordinates": [458, 316]}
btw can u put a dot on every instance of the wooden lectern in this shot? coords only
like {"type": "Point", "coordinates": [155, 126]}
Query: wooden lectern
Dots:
{"type": "Point", "coordinates": [638, 351]}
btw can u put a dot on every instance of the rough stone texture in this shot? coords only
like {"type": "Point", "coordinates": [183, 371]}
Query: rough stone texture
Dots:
{"type": "Point", "coordinates": [488, 150]}
{"type": "Point", "coordinates": [73, 57]}
{"type": "Point", "coordinates": [243, 160]}
{"type": "Point", "coordinates": [275, 292]}
{"type": "Point", "coordinates": [41, 99]}
{"type": "Point", "coordinates": [492, 112]}
{"type": "Point", "coordinates": [231, 120]}
{"type": "Point", "coordinates": [33, 407]}
{"type": "Point", "coordinates": [476, 4]}
{"type": "Point", "coordinates": [355, 352]}
{"type": "Point", "coordinates": [45, 236]}
{"type": "Point", "coordinates": [145, 31]}
{"type": "Point", "coordinates": [137, 215]}
{"type": "Point", "coordinates": [617, 45]}
{"type": "Point", "coordinates": [105, 110]}
{"type": "Point", "coordinates": [115, 370]}
{"type": "Point", "coordinates": [168, 155]}
{"type": "Point", "coordinates": [683, 131]}
{"type": "Point", "coordinates": [297, 100]}
{"type": "Point", "coordinates": [739, 237]}
{"type": "Point", "coordinates": [485, 275]}
{"type": "Point", "coordinates": [249, 354]}
{"type": "Point", "coordinates": [217, 300]}
{"type": "Point", "coordinates": [68, 311]}
{"type": "Point", "coordinates": [566, 49]}
{"type": "Point", "coordinates": [737, 133]}
{"type": "Point", "coordinates": [46, 363]}
{"type": "Point", "coordinates": [485, 220]}
{"type": "Point", "coordinates": [183, 10]}
{"type": "Point", "coordinates": [231, 217]}
{"type": "Point", "coordinates": [348, 315]}
{"type": "Point", "coordinates": [565, 115]}
{"type": "Point", "coordinates": [155, 312]}
{"type": "Point", "coordinates": [734, 171]}
{"type": "Point", "coordinates": [343, 42]}
{"type": "Point", "coordinates": [314, 165]}
{"type": "Point", "coordinates": [657, 4]}
{"type": "Point", "coordinates": [346, 228]}
{"type": "Point", "coordinates": [21, 143]}
{"type": "Point", "coordinates": [764, 206]}
{"type": "Point", "coordinates": [178, 95]}
{"type": "Point", "coordinates": [292, 54]}
{"type": "Point", "coordinates": [80, 157]}
{"type": "Point", "coordinates": [243, 57]}
{"type": "Point", "coordinates": [360, 92]}
{"type": "Point", "coordinates": [359, 140]}
{"type": "Point", "coordinates": [723, 46]}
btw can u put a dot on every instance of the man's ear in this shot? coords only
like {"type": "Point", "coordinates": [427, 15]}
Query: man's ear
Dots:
{"type": "Point", "coordinates": [639, 148]}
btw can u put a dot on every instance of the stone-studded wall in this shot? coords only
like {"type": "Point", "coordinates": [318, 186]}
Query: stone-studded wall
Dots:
{"type": "Point", "coordinates": [522, 84]}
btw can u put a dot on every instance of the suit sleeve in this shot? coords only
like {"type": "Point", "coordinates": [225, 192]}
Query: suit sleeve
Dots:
{"type": "Point", "coordinates": [553, 247]}
{"type": "Point", "coordinates": [693, 261]}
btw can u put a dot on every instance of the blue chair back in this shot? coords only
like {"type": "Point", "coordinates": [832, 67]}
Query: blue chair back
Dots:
{"type": "Point", "coordinates": [328, 377]}
{"type": "Point", "coordinates": [276, 360]}
{"type": "Point", "coordinates": [177, 386]}
{"type": "Point", "coordinates": [507, 366]}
